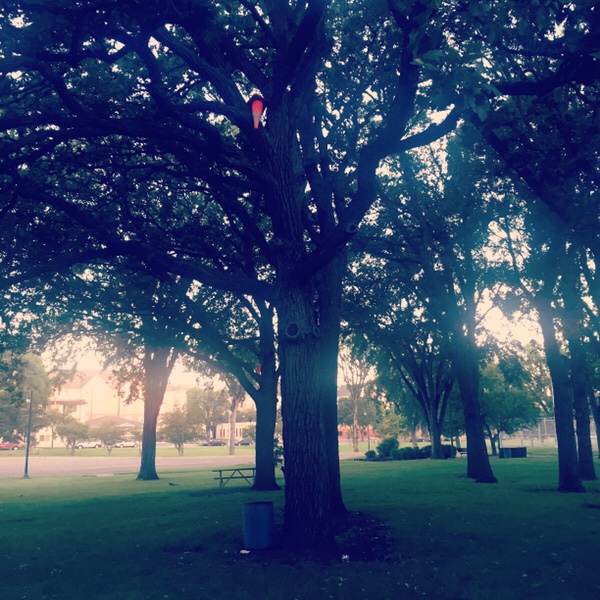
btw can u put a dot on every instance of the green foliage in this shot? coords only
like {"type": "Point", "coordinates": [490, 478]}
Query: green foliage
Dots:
{"type": "Point", "coordinates": [54, 418]}
{"type": "Point", "coordinates": [391, 424]}
{"type": "Point", "coordinates": [23, 379]}
{"type": "Point", "coordinates": [447, 451]}
{"type": "Point", "coordinates": [72, 431]}
{"type": "Point", "coordinates": [507, 405]}
{"type": "Point", "coordinates": [370, 454]}
{"type": "Point", "coordinates": [178, 428]}
{"type": "Point", "coordinates": [410, 453]}
{"type": "Point", "coordinates": [386, 447]}
{"type": "Point", "coordinates": [249, 433]}
{"type": "Point", "coordinates": [208, 408]}
{"type": "Point", "coordinates": [110, 434]}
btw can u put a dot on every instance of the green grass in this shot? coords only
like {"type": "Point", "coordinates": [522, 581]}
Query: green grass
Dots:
{"type": "Point", "coordinates": [180, 537]}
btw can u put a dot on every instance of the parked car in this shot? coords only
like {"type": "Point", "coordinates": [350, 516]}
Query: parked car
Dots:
{"type": "Point", "coordinates": [244, 442]}
{"type": "Point", "coordinates": [10, 445]}
{"type": "Point", "coordinates": [93, 443]}
{"type": "Point", "coordinates": [125, 444]}
{"type": "Point", "coordinates": [217, 443]}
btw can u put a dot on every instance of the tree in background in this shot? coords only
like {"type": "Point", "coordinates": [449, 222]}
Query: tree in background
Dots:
{"type": "Point", "coordinates": [110, 434]}
{"type": "Point", "coordinates": [54, 418]}
{"type": "Point", "coordinates": [357, 372]}
{"type": "Point", "coordinates": [24, 381]}
{"type": "Point", "coordinates": [359, 415]}
{"type": "Point", "coordinates": [236, 394]}
{"type": "Point", "coordinates": [392, 424]}
{"type": "Point", "coordinates": [208, 408]}
{"type": "Point", "coordinates": [507, 405]}
{"type": "Point", "coordinates": [178, 428]}
{"type": "Point", "coordinates": [72, 431]}
{"type": "Point", "coordinates": [407, 416]}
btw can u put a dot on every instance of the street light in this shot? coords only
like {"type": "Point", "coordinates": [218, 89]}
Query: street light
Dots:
{"type": "Point", "coordinates": [26, 473]}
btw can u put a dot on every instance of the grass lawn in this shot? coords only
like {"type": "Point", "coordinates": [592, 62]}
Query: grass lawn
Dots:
{"type": "Point", "coordinates": [180, 538]}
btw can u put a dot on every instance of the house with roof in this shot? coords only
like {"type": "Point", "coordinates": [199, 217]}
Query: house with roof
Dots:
{"type": "Point", "coordinates": [95, 398]}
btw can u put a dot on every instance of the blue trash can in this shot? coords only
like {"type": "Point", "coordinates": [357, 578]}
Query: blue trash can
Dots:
{"type": "Point", "coordinates": [258, 525]}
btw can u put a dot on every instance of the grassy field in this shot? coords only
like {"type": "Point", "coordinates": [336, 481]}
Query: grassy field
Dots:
{"type": "Point", "coordinates": [432, 534]}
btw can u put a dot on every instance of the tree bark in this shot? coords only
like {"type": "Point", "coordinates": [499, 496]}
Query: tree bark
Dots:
{"type": "Point", "coordinates": [569, 479]}
{"type": "Point", "coordinates": [265, 399]}
{"type": "Point", "coordinates": [232, 424]}
{"type": "Point", "coordinates": [158, 365]}
{"type": "Point", "coordinates": [595, 413]}
{"type": "Point", "coordinates": [147, 470]}
{"type": "Point", "coordinates": [307, 474]}
{"type": "Point", "coordinates": [435, 434]}
{"type": "Point", "coordinates": [572, 319]}
{"type": "Point", "coordinates": [492, 439]}
{"type": "Point", "coordinates": [329, 288]}
{"type": "Point", "coordinates": [464, 359]}
{"type": "Point", "coordinates": [266, 416]}
{"type": "Point", "coordinates": [467, 369]}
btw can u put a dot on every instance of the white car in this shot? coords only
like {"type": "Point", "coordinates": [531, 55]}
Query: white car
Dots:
{"type": "Point", "coordinates": [125, 444]}
{"type": "Point", "coordinates": [93, 443]}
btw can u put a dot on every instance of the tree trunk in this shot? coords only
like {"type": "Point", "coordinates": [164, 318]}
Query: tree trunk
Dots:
{"type": "Point", "coordinates": [307, 476]}
{"type": "Point", "coordinates": [569, 479]}
{"type": "Point", "coordinates": [266, 416]}
{"type": "Point", "coordinates": [582, 413]}
{"type": "Point", "coordinates": [265, 399]}
{"type": "Point", "coordinates": [152, 403]}
{"type": "Point", "coordinates": [413, 437]}
{"type": "Point", "coordinates": [461, 322]}
{"type": "Point", "coordinates": [492, 439]}
{"type": "Point", "coordinates": [355, 432]}
{"type": "Point", "coordinates": [572, 319]}
{"type": "Point", "coordinates": [595, 413]}
{"type": "Point", "coordinates": [329, 287]}
{"type": "Point", "coordinates": [437, 452]}
{"type": "Point", "coordinates": [232, 424]}
{"type": "Point", "coordinates": [465, 362]}
{"type": "Point", "coordinates": [158, 365]}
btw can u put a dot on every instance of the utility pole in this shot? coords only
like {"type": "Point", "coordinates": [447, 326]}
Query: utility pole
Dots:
{"type": "Point", "coordinates": [26, 473]}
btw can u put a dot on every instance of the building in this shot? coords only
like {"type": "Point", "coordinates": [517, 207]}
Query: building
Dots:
{"type": "Point", "coordinates": [94, 397]}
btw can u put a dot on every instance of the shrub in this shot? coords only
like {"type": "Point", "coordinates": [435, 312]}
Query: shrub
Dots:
{"type": "Point", "coordinates": [408, 453]}
{"type": "Point", "coordinates": [386, 447]}
{"type": "Point", "coordinates": [371, 455]}
{"type": "Point", "coordinates": [426, 451]}
{"type": "Point", "coordinates": [449, 451]}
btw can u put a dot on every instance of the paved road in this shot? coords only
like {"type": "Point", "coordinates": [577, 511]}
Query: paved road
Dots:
{"type": "Point", "coordinates": [49, 466]}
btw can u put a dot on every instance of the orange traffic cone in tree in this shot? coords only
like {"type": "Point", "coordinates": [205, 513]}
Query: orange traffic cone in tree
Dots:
{"type": "Point", "coordinates": [257, 105]}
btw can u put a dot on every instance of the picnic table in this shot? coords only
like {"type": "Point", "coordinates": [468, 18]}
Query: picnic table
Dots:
{"type": "Point", "coordinates": [227, 474]}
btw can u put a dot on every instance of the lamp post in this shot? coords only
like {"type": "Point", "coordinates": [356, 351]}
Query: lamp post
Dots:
{"type": "Point", "coordinates": [26, 472]}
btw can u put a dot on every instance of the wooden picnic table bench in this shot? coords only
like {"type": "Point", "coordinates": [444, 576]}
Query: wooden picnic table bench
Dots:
{"type": "Point", "coordinates": [225, 475]}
